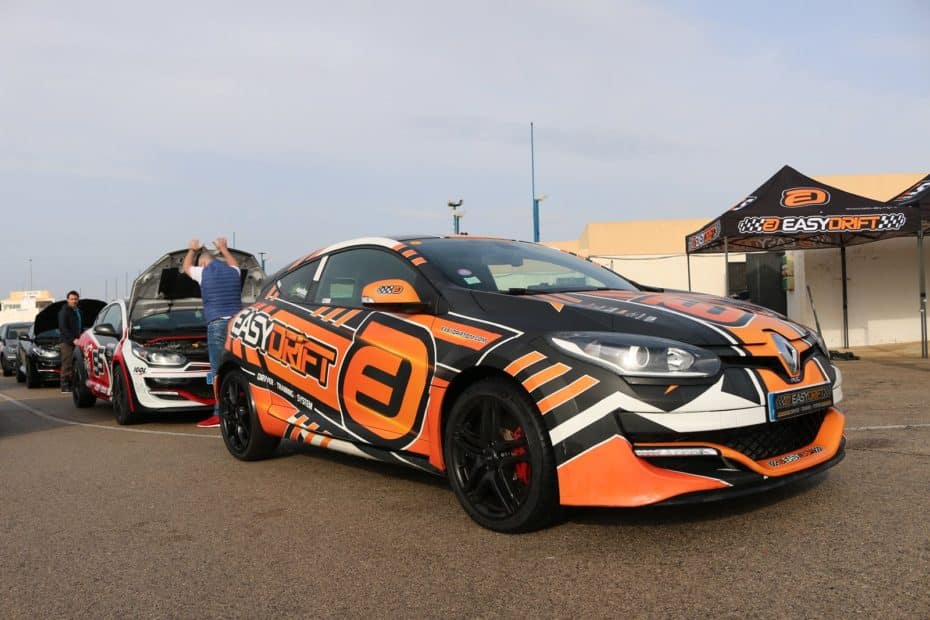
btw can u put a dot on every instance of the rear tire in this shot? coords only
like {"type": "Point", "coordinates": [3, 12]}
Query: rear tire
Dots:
{"type": "Point", "coordinates": [121, 399]}
{"type": "Point", "coordinates": [499, 459]}
{"type": "Point", "coordinates": [32, 375]}
{"type": "Point", "coordinates": [81, 395]}
{"type": "Point", "coordinates": [242, 432]}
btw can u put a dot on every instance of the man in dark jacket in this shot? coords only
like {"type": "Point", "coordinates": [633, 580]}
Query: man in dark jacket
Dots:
{"type": "Point", "coordinates": [70, 325]}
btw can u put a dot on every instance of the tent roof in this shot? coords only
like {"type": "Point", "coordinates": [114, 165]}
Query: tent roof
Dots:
{"type": "Point", "coordinates": [791, 211]}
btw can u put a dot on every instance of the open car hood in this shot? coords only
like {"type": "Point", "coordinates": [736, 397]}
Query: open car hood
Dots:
{"type": "Point", "coordinates": [165, 280]}
{"type": "Point", "coordinates": [47, 319]}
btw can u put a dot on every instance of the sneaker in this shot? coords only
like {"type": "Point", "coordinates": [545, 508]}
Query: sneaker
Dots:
{"type": "Point", "coordinates": [212, 422]}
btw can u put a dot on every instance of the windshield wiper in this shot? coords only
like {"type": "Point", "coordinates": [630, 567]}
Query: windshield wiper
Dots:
{"type": "Point", "coordinates": [525, 291]}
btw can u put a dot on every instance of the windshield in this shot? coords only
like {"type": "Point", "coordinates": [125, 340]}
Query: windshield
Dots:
{"type": "Point", "coordinates": [13, 332]}
{"type": "Point", "coordinates": [516, 267]}
{"type": "Point", "coordinates": [164, 316]}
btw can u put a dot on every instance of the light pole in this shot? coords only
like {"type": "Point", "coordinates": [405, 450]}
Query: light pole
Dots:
{"type": "Point", "coordinates": [261, 255]}
{"type": "Point", "coordinates": [30, 274]}
{"type": "Point", "coordinates": [536, 199]}
{"type": "Point", "coordinates": [456, 215]}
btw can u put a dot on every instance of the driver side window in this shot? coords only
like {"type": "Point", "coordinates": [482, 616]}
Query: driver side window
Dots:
{"type": "Point", "coordinates": [347, 273]}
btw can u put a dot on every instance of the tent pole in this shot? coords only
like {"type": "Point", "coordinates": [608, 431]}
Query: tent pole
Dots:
{"type": "Point", "coordinates": [845, 301]}
{"type": "Point", "coordinates": [688, 254]}
{"type": "Point", "coordinates": [923, 292]}
{"type": "Point", "coordinates": [726, 268]}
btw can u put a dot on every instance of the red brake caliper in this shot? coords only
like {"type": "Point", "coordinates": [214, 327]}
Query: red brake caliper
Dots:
{"type": "Point", "coordinates": [522, 469]}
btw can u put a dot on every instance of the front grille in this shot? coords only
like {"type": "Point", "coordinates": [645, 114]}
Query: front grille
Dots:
{"type": "Point", "coordinates": [757, 442]}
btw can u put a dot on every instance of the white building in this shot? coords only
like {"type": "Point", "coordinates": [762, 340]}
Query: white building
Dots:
{"type": "Point", "coordinates": [22, 306]}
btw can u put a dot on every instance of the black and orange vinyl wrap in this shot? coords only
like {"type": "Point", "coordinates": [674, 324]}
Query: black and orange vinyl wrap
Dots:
{"type": "Point", "coordinates": [377, 384]}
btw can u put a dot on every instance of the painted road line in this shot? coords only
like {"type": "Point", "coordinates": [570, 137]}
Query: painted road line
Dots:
{"type": "Point", "coordinates": [53, 418]}
{"type": "Point", "coordinates": [891, 427]}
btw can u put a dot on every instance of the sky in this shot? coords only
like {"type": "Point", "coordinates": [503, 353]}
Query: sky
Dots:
{"type": "Point", "coordinates": [127, 129]}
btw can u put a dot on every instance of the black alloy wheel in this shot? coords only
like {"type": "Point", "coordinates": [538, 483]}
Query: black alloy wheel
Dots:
{"type": "Point", "coordinates": [81, 395]}
{"type": "Point", "coordinates": [499, 459]}
{"type": "Point", "coordinates": [122, 410]}
{"type": "Point", "coordinates": [242, 432]}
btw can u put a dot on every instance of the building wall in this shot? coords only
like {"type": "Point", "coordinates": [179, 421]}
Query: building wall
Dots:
{"type": "Point", "coordinates": [671, 270]}
{"type": "Point", "coordinates": [882, 284]}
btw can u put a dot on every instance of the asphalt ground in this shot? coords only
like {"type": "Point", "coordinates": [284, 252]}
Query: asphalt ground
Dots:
{"type": "Point", "coordinates": [157, 520]}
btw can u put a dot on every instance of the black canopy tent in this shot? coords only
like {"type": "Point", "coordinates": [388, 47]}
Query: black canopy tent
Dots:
{"type": "Point", "coordinates": [791, 211]}
{"type": "Point", "coordinates": [918, 197]}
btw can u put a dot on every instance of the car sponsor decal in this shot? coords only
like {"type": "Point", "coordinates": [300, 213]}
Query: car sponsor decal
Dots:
{"type": "Point", "coordinates": [795, 456]}
{"type": "Point", "coordinates": [791, 403]}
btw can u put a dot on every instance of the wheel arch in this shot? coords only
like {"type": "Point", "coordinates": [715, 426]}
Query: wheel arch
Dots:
{"type": "Point", "coordinates": [463, 381]}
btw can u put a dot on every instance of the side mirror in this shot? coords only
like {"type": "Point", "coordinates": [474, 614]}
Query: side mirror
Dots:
{"type": "Point", "coordinates": [393, 295]}
{"type": "Point", "coordinates": [105, 329]}
{"type": "Point", "coordinates": [26, 337]}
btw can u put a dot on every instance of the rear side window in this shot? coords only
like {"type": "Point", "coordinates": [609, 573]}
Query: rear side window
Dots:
{"type": "Point", "coordinates": [296, 285]}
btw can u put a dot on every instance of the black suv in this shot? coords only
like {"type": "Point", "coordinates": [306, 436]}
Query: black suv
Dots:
{"type": "Point", "coordinates": [9, 345]}
{"type": "Point", "coordinates": [40, 348]}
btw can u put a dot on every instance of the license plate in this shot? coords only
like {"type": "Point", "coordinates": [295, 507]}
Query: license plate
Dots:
{"type": "Point", "coordinates": [805, 400]}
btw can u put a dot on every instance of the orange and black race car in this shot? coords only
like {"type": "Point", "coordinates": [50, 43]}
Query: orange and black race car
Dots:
{"type": "Point", "coordinates": [531, 377]}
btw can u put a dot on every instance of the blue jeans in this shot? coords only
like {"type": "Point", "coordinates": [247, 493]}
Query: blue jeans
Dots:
{"type": "Point", "coordinates": [216, 341]}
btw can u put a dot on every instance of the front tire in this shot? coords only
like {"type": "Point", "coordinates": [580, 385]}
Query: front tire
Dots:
{"type": "Point", "coordinates": [3, 362]}
{"type": "Point", "coordinates": [242, 432]}
{"type": "Point", "coordinates": [81, 395]}
{"type": "Point", "coordinates": [32, 375]}
{"type": "Point", "coordinates": [121, 399]}
{"type": "Point", "coordinates": [20, 375]}
{"type": "Point", "coordinates": [499, 458]}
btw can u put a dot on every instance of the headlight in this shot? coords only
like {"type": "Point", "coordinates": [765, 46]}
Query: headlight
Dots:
{"type": "Point", "coordinates": [158, 358]}
{"type": "Point", "coordinates": [638, 356]}
{"type": "Point", "coordinates": [43, 352]}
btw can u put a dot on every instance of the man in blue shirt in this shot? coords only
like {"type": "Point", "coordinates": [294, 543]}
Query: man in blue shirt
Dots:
{"type": "Point", "coordinates": [70, 326]}
{"type": "Point", "coordinates": [221, 291]}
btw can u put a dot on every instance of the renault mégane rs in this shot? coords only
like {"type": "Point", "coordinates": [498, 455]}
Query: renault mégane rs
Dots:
{"type": "Point", "coordinates": [531, 377]}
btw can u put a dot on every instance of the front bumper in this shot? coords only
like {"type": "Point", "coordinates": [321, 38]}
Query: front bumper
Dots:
{"type": "Point", "coordinates": [611, 474]}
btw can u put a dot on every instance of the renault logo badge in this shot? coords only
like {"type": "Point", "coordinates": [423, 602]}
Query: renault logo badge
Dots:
{"type": "Point", "coordinates": [787, 352]}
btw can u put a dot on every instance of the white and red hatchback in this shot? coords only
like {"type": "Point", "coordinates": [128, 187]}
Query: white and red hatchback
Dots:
{"type": "Point", "coordinates": [148, 353]}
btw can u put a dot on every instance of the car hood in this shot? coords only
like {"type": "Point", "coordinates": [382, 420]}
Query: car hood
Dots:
{"type": "Point", "coordinates": [47, 319]}
{"type": "Point", "coordinates": [164, 279]}
{"type": "Point", "coordinates": [695, 318]}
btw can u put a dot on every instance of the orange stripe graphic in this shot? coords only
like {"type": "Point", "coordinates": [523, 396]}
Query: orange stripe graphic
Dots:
{"type": "Point", "coordinates": [345, 317]}
{"type": "Point", "coordinates": [570, 391]}
{"type": "Point", "coordinates": [329, 316]}
{"type": "Point", "coordinates": [523, 362]}
{"type": "Point", "coordinates": [544, 376]}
